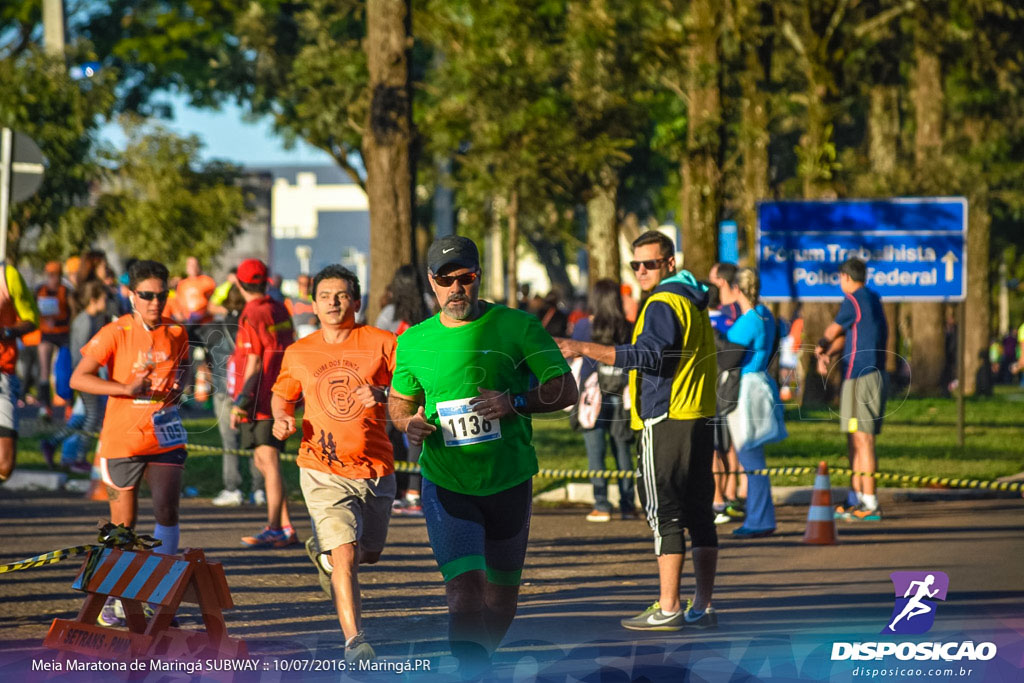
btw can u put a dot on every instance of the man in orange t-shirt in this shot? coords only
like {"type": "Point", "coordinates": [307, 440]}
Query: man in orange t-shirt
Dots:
{"type": "Point", "coordinates": [345, 460]}
{"type": "Point", "coordinates": [142, 435]}
{"type": "Point", "coordinates": [193, 294]}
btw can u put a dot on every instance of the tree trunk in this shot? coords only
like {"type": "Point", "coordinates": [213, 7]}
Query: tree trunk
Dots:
{"type": "Point", "coordinates": [551, 254]}
{"type": "Point", "coordinates": [927, 343]}
{"type": "Point", "coordinates": [883, 130]}
{"type": "Point", "coordinates": [602, 229]}
{"type": "Point", "coordinates": [978, 315]}
{"type": "Point", "coordinates": [387, 143]}
{"type": "Point", "coordinates": [494, 248]}
{"type": "Point", "coordinates": [701, 174]}
{"type": "Point", "coordinates": [754, 136]}
{"type": "Point", "coordinates": [883, 141]}
{"type": "Point", "coordinates": [512, 261]}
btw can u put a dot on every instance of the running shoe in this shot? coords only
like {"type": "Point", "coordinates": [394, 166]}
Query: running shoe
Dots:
{"type": "Point", "coordinates": [863, 513]}
{"type": "Point", "coordinates": [358, 650]}
{"type": "Point", "coordinates": [736, 509]}
{"type": "Point", "coordinates": [48, 449]}
{"type": "Point", "coordinates": [411, 510]}
{"type": "Point", "coordinates": [228, 498]}
{"type": "Point", "coordinates": [599, 516]}
{"type": "Point", "coordinates": [722, 518]}
{"type": "Point", "coordinates": [407, 507]}
{"type": "Point", "coordinates": [843, 510]}
{"type": "Point", "coordinates": [108, 615]}
{"type": "Point", "coordinates": [629, 515]}
{"type": "Point", "coordinates": [323, 565]}
{"type": "Point", "coordinates": [258, 497]}
{"type": "Point", "coordinates": [80, 467]}
{"type": "Point", "coordinates": [706, 619]}
{"type": "Point", "coordinates": [744, 532]}
{"type": "Point", "coordinates": [290, 537]}
{"type": "Point", "coordinates": [653, 619]}
{"type": "Point", "coordinates": [268, 538]}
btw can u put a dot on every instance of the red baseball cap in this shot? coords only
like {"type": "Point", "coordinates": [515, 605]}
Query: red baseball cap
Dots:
{"type": "Point", "coordinates": [252, 272]}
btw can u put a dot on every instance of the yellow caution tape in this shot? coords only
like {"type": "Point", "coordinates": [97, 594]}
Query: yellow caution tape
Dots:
{"type": "Point", "coordinates": [949, 482]}
{"type": "Point", "coordinates": [45, 558]}
{"type": "Point", "coordinates": [110, 536]}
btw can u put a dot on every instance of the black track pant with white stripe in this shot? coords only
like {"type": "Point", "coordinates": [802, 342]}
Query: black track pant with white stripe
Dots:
{"type": "Point", "coordinates": [675, 482]}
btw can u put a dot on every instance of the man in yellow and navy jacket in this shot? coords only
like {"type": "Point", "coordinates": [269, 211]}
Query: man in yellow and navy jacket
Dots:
{"type": "Point", "coordinates": [672, 388]}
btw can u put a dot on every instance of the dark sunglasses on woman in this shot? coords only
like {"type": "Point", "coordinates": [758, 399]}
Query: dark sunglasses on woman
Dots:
{"type": "Point", "coordinates": [149, 296]}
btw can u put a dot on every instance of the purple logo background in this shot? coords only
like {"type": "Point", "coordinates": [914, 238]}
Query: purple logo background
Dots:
{"type": "Point", "coordinates": [914, 619]}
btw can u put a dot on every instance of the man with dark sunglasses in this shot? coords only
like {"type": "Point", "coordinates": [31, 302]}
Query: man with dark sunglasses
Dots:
{"type": "Point", "coordinates": [465, 384]}
{"type": "Point", "coordinates": [672, 372]}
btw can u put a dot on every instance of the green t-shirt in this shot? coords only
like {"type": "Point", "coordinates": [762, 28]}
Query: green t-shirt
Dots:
{"type": "Point", "coordinates": [503, 349]}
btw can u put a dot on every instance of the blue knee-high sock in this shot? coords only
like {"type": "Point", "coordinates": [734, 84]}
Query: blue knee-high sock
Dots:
{"type": "Point", "coordinates": [169, 536]}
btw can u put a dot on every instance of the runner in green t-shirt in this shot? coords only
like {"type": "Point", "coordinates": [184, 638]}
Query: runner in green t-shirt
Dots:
{"type": "Point", "coordinates": [462, 387]}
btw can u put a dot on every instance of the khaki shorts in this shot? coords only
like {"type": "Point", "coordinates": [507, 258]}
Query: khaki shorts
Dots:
{"type": "Point", "coordinates": [10, 387]}
{"type": "Point", "coordinates": [348, 510]}
{"type": "Point", "coordinates": [862, 404]}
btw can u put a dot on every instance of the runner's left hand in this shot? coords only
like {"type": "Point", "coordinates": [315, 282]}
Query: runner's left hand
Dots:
{"type": "Point", "coordinates": [491, 404]}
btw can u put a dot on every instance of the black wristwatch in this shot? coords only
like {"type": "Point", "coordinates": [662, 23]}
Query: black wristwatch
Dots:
{"type": "Point", "coordinates": [519, 401]}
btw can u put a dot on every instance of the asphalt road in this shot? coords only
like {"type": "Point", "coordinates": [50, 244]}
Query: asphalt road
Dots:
{"type": "Point", "coordinates": [782, 604]}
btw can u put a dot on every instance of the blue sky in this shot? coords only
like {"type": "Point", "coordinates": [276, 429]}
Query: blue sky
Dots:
{"type": "Point", "coordinates": [227, 135]}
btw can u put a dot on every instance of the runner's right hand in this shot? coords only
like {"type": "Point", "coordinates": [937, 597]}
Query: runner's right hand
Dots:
{"type": "Point", "coordinates": [417, 428]}
{"type": "Point", "coordinates": [284, 427]}
{"type": "Point", "coordinates": [139, 385]}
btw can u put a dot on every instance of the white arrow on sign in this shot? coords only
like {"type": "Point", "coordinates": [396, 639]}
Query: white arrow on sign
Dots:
{"type": "Point", "coordinates": [949, 259]}
{"type": "Point", "coordinates": [25, 167]}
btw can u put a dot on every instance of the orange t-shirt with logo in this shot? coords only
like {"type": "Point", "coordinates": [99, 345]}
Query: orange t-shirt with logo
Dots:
{"type": "Point", "coordinates": [125, 347]}
{"type": "Point", "coordinates": [339, 435]}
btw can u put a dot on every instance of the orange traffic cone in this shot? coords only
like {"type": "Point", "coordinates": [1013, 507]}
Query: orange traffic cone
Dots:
{"type": "Point", "coordinates": [97, 489]}
{"type": "Point", "coordinates": [821, 523]}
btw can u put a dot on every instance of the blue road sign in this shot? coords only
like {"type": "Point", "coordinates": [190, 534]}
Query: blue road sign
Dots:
{"type": "Point", "coordinates": [915, 248]}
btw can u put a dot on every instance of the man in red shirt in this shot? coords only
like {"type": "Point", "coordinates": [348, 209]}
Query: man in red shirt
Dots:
{"type": "Point", "coordinates": [264, 331]}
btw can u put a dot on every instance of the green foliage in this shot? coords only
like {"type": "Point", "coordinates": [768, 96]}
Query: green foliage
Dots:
{"type": "Point", "coordinates": [157, 201]}
{"type": "Point", "coordinates": [38, 98]}
{"type": "Point", "coordinates": [300, 63]}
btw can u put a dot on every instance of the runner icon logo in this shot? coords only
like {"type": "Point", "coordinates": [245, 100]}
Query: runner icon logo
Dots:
{"type": "Point", "coordinates": [914, 611]}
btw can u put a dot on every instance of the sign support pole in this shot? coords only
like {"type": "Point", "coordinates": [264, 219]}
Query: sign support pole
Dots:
{"type": "Point", "coordinates": [961, 336]}
{"type": "Point", "coordinates": [6, 149]}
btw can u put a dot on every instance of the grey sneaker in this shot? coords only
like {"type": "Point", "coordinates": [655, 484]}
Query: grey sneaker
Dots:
{"type": "Point", "coordinates": [706, 619]}
{"type": "Point", "coordinates": [323, 568]}
{"type": "Point", "coordinates": [358, 650]}
{"type": "Point", "coordinates": [653, 619]}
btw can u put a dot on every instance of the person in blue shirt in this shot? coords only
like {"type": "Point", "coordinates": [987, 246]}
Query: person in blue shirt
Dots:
{"type": "Point", "coordinates": [861, 332]}
{"type": "Point", "coordinates": [755, 330]}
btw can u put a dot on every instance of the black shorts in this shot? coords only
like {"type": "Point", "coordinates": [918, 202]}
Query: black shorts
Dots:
{"type": "Point", "coordinates": [258, 433]}
{"type": "Point", "coordinates": [675, 483]}
{"type": "Point", "coordinates": [59, 339]}
{"type": "Point", "coordinates": [126, 473]}
{"type": "Point", "coordinates": [488, 533]}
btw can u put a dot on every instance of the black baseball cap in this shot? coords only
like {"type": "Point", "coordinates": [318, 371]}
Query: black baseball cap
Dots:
{"type": "Point", "coordinates": [452, 250]}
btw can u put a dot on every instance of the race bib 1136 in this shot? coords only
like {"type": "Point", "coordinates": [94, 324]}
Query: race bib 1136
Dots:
{"type": "Point", "coordinates": [460, 426]}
